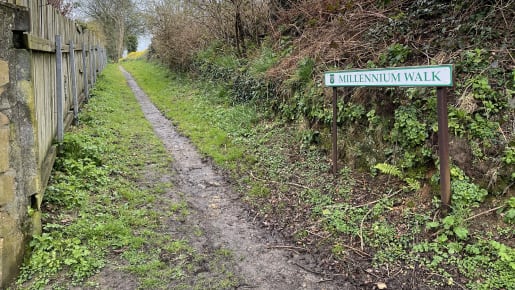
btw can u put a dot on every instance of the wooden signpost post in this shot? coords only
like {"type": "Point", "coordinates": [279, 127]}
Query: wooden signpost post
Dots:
{"type": "Point", "coordinates": [439, 76]}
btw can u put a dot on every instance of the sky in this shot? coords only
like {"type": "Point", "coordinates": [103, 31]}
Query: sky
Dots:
{"type": "Point", "coordinates": [144, 41]}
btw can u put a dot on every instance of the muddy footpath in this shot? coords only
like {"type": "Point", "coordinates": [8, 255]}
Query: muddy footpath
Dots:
{"type": "Point", "coordinates": [261, 260]}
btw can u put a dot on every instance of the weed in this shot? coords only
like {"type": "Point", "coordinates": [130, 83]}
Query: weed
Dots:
{"type": "Point", "coordinates": [509, 216]}
{"type": "Point", "coordinates": [465, 193]}
{"type": "Point", "coordinates": [509, 155]}
{"type": "Point", "coordinates": [395, 54]}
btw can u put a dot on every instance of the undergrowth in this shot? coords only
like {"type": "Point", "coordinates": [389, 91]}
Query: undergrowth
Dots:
{"type": "Point", "coordinates": [383, 217]}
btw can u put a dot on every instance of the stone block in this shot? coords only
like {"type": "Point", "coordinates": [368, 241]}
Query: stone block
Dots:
{"type": "Point", "coordinates": [7, 224]}
{"type": "Point", "coordinates": [4, 121]}
{"type": "Point", "coordinates": [4, 73]}
{"type": "Point", "coordinates": [1, 260]}
{"type": "Point", "coordinates": [6, 189]}
{"type": "Point", "coordinates": [11, 249]}
{"type": "Point", "coordinates": [4, 143]}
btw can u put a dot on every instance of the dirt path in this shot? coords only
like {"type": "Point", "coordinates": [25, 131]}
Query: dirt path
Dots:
{"type": "Point", "coordinates": [261, 260]}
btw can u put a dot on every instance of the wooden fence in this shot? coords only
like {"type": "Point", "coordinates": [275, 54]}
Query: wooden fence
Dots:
{"type": "Point", "coordinates": [58, 61]}
{"type": "Point", "coordinates": [82, 57]}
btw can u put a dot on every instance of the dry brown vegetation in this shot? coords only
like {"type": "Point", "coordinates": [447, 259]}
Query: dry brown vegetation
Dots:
{"type": "Point", "coordinates": [181, 29]}
{"type": "Point", "coordinates": [339, 33]}
{"type": "Point", "coordinates": [334, 33]}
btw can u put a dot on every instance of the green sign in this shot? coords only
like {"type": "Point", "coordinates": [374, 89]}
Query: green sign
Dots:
{"type": "Point", "coordinates": [416, 76]}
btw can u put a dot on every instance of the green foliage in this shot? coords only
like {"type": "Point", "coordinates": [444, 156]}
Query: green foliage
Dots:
{"type": "Point", "coordinates": [51, 252]}
{"type": "Point", "coordinates": [388, 169]}
{"type": "Point", "coordinates": [198, 113]}
{"type": "Point", "coordinates": [78, 146]}
{"type": "Point", "coordinates": [487, 263]}
{"type": "Point", "coordinates": [96, 207]}
{"type": "Point", "coordinates": [509, 155]}
{"type": "Point", "coordinates": [351, 113]}
{"type": "Point", "coordinates": [395, 54]}
{"type": "Point", "coordinates": [217, 62]}
{"type": "Point", "coordinates": [260, 64]}
{"type": "Point", "coordinates": [456, 120]}
{"type": "Point", "coordinates": [509, 216]}
{"type": "Point", "coordinates": [132, 43]}
{"type": "Point", "coordinates": [492, 100]}
{"type": "Point", "coordinates": [505, 253]}
{"type": "Point", "coordinates": [305, 70]}
{"type": "Point", "coordinates": [467, 193]}
{"type": "Point", "coordinates": [310, 139]}
{"type": "Point", "coordinates": [408, 131]}
{"type": "Point", "coordinates": [492, 262]}
{"type": "Point", "coordinates": [464, 192]}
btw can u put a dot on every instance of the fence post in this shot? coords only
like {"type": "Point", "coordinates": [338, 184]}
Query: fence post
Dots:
{"type": "Point", "coordinates": [74, 84]}
{"type": "Point", "coordinates": [335, 131]}
{"type": "Point", "coordinates": [95, 64]}
{"type": "Point", "coordinates": [85, 72]}
{"type": "Point", "coordinates": [443, 149]}
{"type": "Point", "coordinates": [91, 67]}
{"type": "Point", "coordinates": [59, 87]}
{"type": "Point", "coordinates": [103, 58]}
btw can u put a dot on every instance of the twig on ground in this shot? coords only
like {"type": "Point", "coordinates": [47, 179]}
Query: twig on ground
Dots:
{"type": "Point", "coordinates": [507, 188]}
{"type": "Point", "coordinates": [361, 228]}
{"type": "Point", "coordinates": [442, 276]}
{"type": "Point", "coordinates": [483, 213]}
{"type": "Point", "coordinates": [358, 251]}
{"type": "Point", "coordinates": [369, 271]}
{"type": "Point", "coordinates": [308, 270]}
{"type": "Point", "coordinates": [376, 201]}
{"type": "Point", "coordinates": [277, 182]}
{"type": "Point", "coordinates": [320, 236]}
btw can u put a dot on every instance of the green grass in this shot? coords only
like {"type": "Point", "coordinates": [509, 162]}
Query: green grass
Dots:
{"type": "Point", "coordinates": [198, 109]}
{"type": "Point", "coordinates": [282, 177]}
{"type": "Point", "coordinates": [100, 200]}
{"type": "Point", "coordinates": [104, 204]}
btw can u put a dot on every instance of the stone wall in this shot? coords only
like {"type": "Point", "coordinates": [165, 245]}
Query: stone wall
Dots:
{"type": "Point", "coordinates": [19, 180]}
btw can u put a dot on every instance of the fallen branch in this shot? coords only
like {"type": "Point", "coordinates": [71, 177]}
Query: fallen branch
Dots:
{"type": "Point", "coordinates": [505, 191]}
{"type": "Point", "coordinates": [358, 251]}
{"type": "Point", "coordinates": [361, 228]}
{"type": "Point", "coordinates": [309, 270]}
{"type": "Point", "coordinates": [483, 213]}
{"type": "Point", "coordinates": [376, 201]}
{"type": "Point", "coordinates": [277, 182]}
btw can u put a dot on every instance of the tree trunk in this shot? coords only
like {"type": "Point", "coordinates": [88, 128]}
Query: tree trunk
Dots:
{"type": "Point", "coordinates": [238, 29]}
{"type": "Point", "coordinates": [120, 40]}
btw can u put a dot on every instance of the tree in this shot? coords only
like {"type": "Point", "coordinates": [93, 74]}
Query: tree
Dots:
{"type": "Point", "coordinates": [118, 18]}
{"type": "Point", "coordinates": [63, 6]}
{"type": "Point", "coordinates": [177, 34]}
{"type": "Point", "coordinates": [234, 20]}
{"type": "Point", "coordinates": [132, 43]}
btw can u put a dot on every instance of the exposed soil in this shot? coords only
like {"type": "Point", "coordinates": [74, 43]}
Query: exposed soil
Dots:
{"type": "Point", "coordinates": [261, 259]}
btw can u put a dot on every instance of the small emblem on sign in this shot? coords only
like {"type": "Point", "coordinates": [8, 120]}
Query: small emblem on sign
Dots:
{"type": "Point", "coordinates": [331, 78]}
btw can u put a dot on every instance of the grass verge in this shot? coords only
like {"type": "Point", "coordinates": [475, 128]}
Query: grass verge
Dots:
{"type": "Point", "coordinates": [374, 227]}
{"type": "Point", "coordinates": [108, 206]}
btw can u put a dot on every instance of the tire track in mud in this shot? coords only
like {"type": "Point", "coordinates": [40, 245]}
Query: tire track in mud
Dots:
{"type": "Point", "coordinates": [225, 224]}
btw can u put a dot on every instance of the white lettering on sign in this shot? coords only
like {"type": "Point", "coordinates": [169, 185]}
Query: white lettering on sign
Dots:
{"type": "Point", "coordinates": [416, 76]}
